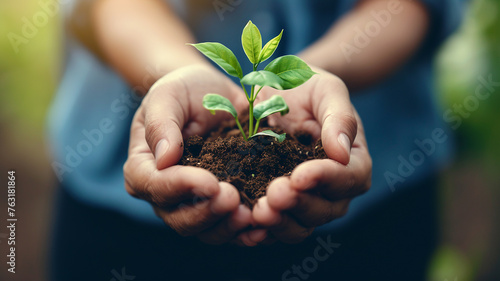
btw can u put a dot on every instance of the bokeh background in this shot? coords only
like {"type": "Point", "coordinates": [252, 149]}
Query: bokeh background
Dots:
{"type": "Point", "coordinates": [470, 187]}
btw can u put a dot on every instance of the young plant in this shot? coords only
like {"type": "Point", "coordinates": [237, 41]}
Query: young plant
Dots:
{"type": "Point", "coordinates": [283, 73]}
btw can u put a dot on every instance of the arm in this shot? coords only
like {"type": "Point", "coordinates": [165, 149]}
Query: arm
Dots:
{"type": "Point", "coordinates": [133, 36]}
{"type": "Point", "coordinates": [402, 27]}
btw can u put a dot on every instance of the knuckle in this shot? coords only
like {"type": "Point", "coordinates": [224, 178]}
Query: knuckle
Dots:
{"type": "Point", "coordinates": [344, 209]}
{"type": "Point", "coordinates": [155, 198]}
{"type": "Point", "coordinates": [183, 230]}
{"type": "Point", "coordinates": [368, 175]}
{"type": "Point", "coordinates": [350, 183]}
{"type": "Point", "coordinates": [349, 122]}
{"type": "Point", "coordinates": [299, 236]}
{"type": "Point", "coordinates": [325, 217]}
{"type": "Point", "coordinates": [132, 183]}
{"type": "Point", "coordinates": [130, 190]}
{"type": "Point", "coordinates": [331, 81]}
{"type": "Point", "coordinates": [189, 221]}
{"type": "Point", "coordinates": [346, 120]}
{"type": "Point", "coordinates": [128, 183]}
{"type": "Point", "coordinates": [150, 191]}
{"type": "Point", "coordinates": [153, 131]}
{"type": "Point", "coordinates": [340, 209]}
{"type": "Point", "coordinates": [178, 223]}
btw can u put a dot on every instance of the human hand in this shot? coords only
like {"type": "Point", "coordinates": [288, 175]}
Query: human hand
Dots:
{"type": "Point", "coordinates": [318, 191]}
{"type": "Point", "coordinates": [190, 200]}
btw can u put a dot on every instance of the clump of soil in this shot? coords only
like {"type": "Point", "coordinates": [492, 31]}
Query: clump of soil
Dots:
{"type": "Point", "coordinates": [249, 165]}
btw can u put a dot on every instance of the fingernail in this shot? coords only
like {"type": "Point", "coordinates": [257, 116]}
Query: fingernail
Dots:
{"type": "Point", "coordinates": [258, 235]}
{"type": "Point", "coordinates": [259, 203]}
{"type": "Point", "coordinates": [161, 149]}
{"type": "Point", "coordinates": [345, 142]}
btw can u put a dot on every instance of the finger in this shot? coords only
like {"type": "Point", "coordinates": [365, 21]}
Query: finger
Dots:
{"type": "Point", "coordinates": [332, 179]}
{"type": "Point", "coordinates": [264, 215]}
{"type": "Point", "coordinates": [165, 187]}
{"type": "Point", "coordinates": [302, 119]}
{"type": "Point", "coordinates": [227, 229]}
{"type": "Point", "coordinates": [290, 231]}
{"type": "Point", "coordinates": [312, 210]}
{"type": "Point", "coordinates": [173, 109]}
{"type": "Point", "coordinates": [170, 186]}
{"type": "Point", "coordinates": [164, 118]}
{"type": "Point", "coordinates": [253, 238]}
{"type": "Point", "coordinates": [333, 109]}
{"type": "Point", "coordinates": [281, 225]}
{"type": "Point", "coordinates": [190, 220]}
{"type": "Point", "coordinates": [280, 196]}
{"type": "Point", "coordinates": [309, 209]}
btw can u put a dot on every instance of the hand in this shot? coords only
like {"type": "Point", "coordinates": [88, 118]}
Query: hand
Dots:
{"type": "Point", "coordinates": [317, 191]}
{"type": "Point", "coordinates": [190, 200]}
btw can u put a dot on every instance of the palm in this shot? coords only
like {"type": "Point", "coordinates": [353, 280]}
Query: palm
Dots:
{"type": "Point", "coordinates": [322, 108]}
{"type": "Point", "coordinates": [301, 116]}
{"type": "Point", "coordinates": [185, 90]}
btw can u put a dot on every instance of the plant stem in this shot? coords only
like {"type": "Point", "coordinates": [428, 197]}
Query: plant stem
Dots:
{"type": "Point", "coordinates": [258, 91]}
{"type": "Point", "coordinates": [250, 117]}
{"type": "Point", "coordinates": [241, 129]}
{"type": "Point", "coordinates": [256, 127]}
{"type": "Point", "coordinates": [250, 99]}
{"type": "Point", "coordinates": [245, 90]}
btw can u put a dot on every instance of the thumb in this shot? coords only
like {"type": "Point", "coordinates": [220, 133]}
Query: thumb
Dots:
{"type": "Point", "coordinates": [163, 122]}
{"type": "Point", "coordinates": [336, 115]}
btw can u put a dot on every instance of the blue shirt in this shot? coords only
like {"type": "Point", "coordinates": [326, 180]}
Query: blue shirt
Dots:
{"type": "Point", "coordinates": [408, 139]}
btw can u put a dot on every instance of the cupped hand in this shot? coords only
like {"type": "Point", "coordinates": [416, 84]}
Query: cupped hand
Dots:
{"type": "Point", "coordinates": [190, 200]}
{"type": "Point", "coordinates": [318, 191]}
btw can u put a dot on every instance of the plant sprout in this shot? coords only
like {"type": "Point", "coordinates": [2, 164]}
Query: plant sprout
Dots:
{"type": "Point", "coordinates": [283, 73]}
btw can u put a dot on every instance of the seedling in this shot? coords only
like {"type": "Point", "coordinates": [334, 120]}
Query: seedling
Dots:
{"type": "Point", "coordinates": [283, 73]}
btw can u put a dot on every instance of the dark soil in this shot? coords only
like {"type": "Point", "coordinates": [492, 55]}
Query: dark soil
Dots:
{"type": "Point", "coordinates": [249, 165]}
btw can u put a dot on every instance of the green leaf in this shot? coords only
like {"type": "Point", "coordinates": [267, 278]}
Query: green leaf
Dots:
{"type": "Point", "coordinates": [269, 133]}
{"type": "Point", "coordinates": [252, 42]}
{"type": "Point", "coordinates": [273, 105]}
{"type": "Point", "coordinates": [270, 47]}
{"type": "Point", "coordinates": [263, 78]}
{"type": "Point", "coordinates": [215, 102]}
{"type": "Point", "coordinates": [292, 70]}
{"type": "Point", "coordinates": [222, 56]}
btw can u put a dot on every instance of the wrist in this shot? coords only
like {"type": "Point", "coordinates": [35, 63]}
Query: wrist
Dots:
{"type": "Point", "coordinates": [318, 58]}
{"type": "Point", "coordinates": [161, 66]}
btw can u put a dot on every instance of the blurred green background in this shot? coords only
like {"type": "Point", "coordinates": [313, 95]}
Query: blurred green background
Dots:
{"type": "Point", "coordinates": [470, 193]}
